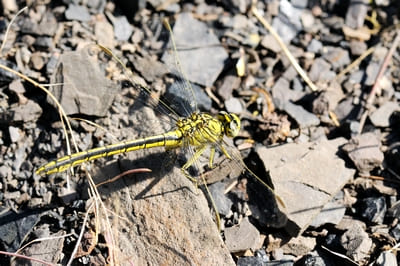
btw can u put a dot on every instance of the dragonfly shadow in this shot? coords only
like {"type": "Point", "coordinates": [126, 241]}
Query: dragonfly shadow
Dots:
{"type": "Point", "coordinates": [145, 185]}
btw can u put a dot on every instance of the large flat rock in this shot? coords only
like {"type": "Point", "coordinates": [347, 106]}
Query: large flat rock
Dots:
{"type": "Point", "coordinates": [164, 219]}
{"type": "Point", "coordinates": [306, 176]}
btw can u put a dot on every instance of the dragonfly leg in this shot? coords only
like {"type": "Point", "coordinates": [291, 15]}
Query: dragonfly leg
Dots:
{"type": "Point", "coordinates": [225, 152]}
{"type": "Point", "coordinates": [212, 154]}
{"type": "Point", "coordinates": [191, 161]}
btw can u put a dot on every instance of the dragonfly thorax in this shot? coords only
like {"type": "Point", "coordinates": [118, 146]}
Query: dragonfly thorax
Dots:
{"type": "Point", "coordinates": [201, 128]}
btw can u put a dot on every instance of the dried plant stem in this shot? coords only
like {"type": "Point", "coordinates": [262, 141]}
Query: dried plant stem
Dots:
{"type": "Point", "coordinates": [291, 58]}
{"type": "Point", "coordinates": [371, 96]}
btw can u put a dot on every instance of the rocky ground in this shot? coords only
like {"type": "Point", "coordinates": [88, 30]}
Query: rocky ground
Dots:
{"type": "Point", "coordinates": [318, 99]}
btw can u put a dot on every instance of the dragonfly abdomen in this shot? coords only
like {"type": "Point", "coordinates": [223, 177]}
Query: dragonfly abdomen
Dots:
{"type": "Point", "coordinates": [169, 139]}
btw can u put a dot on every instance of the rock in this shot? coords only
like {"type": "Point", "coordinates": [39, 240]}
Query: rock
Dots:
{"type": "Point", "coordinates": [386, 258]}
{"type": "Point", "coordinates": [304, 118]}
{"type": "Point", "coordinates": [246, 261]}
{"type": "Point", "coordinates": [14, 133]}
{"type": "Point", "coordinates": [230, 83]}
{"type": "Point", "coordinates": [316, 258]}
{"type": "Point", "coordinates": [222, 202]}
{"type": "Point", "coordinates": [181, 99]}
{"type": "Point", "coordinates": [37, 61]}
{"type": "Point", "coordinates": [331, 213]}
{"type": "Point", "coordinates": [364, 151]}
{"type": "Point", "coordinates": [30, 111]}
{"type": "Point", "coordinates": [356, 13]}
{"type": "Point", "coordinates": [372, 72]}
{"type": "Point", "coordinates": [96, 6]}
{"type": "Point", "coordinates": [234, 105]}
{"type": "Point", "coordinates": [15, 227]}
{"type": "Point", "coordinates": [380, 117]}
{"type": "Point", "coordinates": [6, 76]}
{"type": "Point", "coordinates": [373, 209]}
{"type": "Point", "coordinates": [103, 30]}
{"type": "Point", "coordinates": [203, 63]}
{"type": "Point", "coordinates": [43, 43]}
{"type": "Point", "coordinates": [282, 93]}
{"type": "Point", "coordinates": [394, 211]}
{"type": "Point", "coordinates": [318, 68]}
{"type": "Point", "coordinates": [75, 12]}
{"type": "Point", "coordinates": [242, 237]}
{"type": "Point", "coordinates": [165, 216]}
{"type": "Point", "coordinates": [395, 232]}
{"type": "Point", "coordinates": [149, 68]}
{"type": "Point", "coordinates": [315, 46]}
{"type": "Point", "coordinates": [356, 242]}
{"type": "Point", "coordinates": [288, 22]}
{"type": "Point", "coordinates": [299, 246]}
{"type": "Point", "coordinates": [84, 88]}
{"type": "Point", "coordinates": [269, 42]}
{"type": "Point", "coordinates": [337, 56]}
{"type": "Point", "coordinates": [303, 179]}
{"type": "Point", "coordinates": [49, 250]}
{"type": "Point", "coordinates": [122, 28]}
{"type": "Point", "coordinates": [307, 20]}
{"type": "Point", "coordinates": [357, 48]}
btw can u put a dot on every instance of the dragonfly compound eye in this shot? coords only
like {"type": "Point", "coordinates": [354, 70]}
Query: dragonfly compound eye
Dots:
{"type": "Point", "coordinates": [231, 123]}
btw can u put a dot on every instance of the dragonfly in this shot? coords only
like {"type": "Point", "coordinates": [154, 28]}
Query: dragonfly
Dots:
{"type": "Point", "coordinates": [197, 131]}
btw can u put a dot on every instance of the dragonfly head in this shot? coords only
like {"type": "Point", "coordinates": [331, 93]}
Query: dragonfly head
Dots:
{"type": "Point", "coordinates": [231, 123]}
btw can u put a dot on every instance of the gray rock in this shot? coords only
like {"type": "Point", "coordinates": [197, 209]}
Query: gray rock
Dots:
{"type": "Point", "coordinates": [288, 22]}
{"type": "Point", "coordinates": [122, 28]}
{"type": "Point", "coordinates": [372, 72]}
{"type": "Point", "coordinates": [332, 213]}
{"type": "Point", "coordinates": [205, 60]}
{"type": "Point", "coordinates": [149, 68]}
{"type": "Point", "coordinates": [315, 47]}
{"type": "Point", "coordinates": [337, 56]}
{"type": "Point", "coordinates": [230, 83]}
{"type": "Point", "coordinates": [84, 89]}
{"type": "Point", "coordinates": [234, 105]}
{"type": "Point", "coordinates": [30, 111]}
{"type": "Point", "coordinates": [14, 133]}
{"type": "Point", "coordinates": [43, 43]}
{"type": "Point", "coordinates": [15, 228]}
{"type": "Point", "coordinates": [364, 151]}
{"type": "Point", "coordinates": [394, 211]}
{"type": "Point", "coordinates": [356, 242]}
{"type": "Point", "coordinates": [182, 100]}
{"type": "Point", "coordinates": [318, 68]}
{"type": "Point", "coordinates": [304, 118]}
{"type": "Point", "coordinates": [269, 42]}
{"type": "Point", "coordinates": [222, 202]}
{"type": "Point", "coordinates": [380, 117]}
{"type": "Point", "coordinates": [75, 12]}
{"type": "Point", "coordinates": [356, 13]}
{"type": "Point", "coordinates": [247, 261]}
{"type": "Point", "coordinates": [382, 2]}
{"type": "Point", "coordinates": [373, 209]}
{"type": "Point", "coordinates": [103, 30]}
{"type": "Point", "coordinates": [282, 93]}
{"type": "Point", "coordinates": [299, 246]}
{"type": "Point", "coordinates": [395, 232]}
{"type": "Point", "coordinates": [303, 179]}
{"type": "Point", "coordinates": [165, 215]}
{"type": "Point", "coordinates": [386, 258]}
{"type": "Point", "coordinates": [49, 250]}
{"type": "Point", "coordinates": [242, 237]}
{"type": "Point", "coordinates": [357, 48]}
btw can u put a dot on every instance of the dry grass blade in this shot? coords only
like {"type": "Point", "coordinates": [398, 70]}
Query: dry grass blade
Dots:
{"type": "Point", "coordinates": [291, 58]}
{"type": "Point", "coordinates": [355, 63]}
{"type": "Point", "coordinates": [382, 70]}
